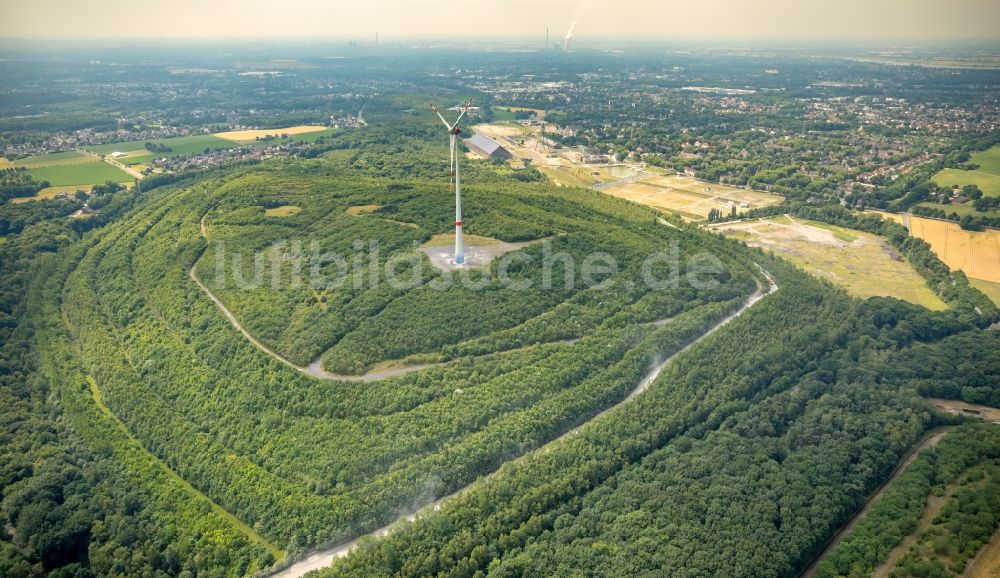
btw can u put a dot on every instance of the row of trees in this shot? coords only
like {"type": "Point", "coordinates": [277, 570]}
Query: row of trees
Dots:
{"type": "Point", "coordinates": [76, 501]}
{"type": "Point", "coordinates": [18, 182]}
{"type": "Point", "coordinates": [743, 457]}
{"type": "Point", "coordinates": [305, 461]}
{"type": "Point", "coordinates": [964, 460]}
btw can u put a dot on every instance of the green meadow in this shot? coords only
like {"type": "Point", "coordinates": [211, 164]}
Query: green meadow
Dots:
{"type": "Point", "coordinates": [986, 177]}
{"type": "Point", "coordinates": [182, 145]}
{"type": "Point", "coordinates": [52, 159]}
{"type": "Point", "coordinates": [82, 173]}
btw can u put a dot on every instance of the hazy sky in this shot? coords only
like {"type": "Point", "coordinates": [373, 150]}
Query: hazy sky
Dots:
{"type": "Point", "coordinates": [662, 19]}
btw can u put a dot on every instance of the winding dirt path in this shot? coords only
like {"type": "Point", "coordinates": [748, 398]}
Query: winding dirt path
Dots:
{"type": "Point", "coordinates": [325, 557]}
{"type": "Point", "coordinates": [315, 368]}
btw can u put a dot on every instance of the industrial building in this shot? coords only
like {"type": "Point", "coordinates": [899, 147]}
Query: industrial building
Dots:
{"type": "Point", "coordinates": [487, 148]}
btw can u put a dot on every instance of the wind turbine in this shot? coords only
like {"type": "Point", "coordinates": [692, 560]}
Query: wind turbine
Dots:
{"type": "Point", "coordinates": [454, 131]}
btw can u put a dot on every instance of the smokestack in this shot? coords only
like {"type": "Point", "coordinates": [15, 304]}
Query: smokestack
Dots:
{"type": "Point", "coordinates": [546, 38]}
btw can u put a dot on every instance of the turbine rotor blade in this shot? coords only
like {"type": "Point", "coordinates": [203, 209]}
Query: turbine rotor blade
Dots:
{"type": "Point", "coordinates": [465, 109]}
{"type": "Point", "coordinates": [438, 112]}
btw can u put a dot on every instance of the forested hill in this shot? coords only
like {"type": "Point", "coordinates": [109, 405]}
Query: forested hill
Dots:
{"type": "Point", "coordinates": [197, 452]}
{"type": "Point", "coordinates": [146, 435]}
{"type": "Point", "coordinates": [746, 455]}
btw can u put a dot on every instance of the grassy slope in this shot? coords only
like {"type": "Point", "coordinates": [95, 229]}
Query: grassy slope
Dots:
{"type": "Point", "coordinates": [865, 271]}
{"type": "Point", "coordinates": [992, 290]}
{"type": "Point", "coordinates": [987, 176]}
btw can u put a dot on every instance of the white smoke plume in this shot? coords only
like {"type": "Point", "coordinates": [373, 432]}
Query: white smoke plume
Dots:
{"type": "Point", "coordinates": [568, 39]}
{"type": "Point", "coordinates": [569, 33]}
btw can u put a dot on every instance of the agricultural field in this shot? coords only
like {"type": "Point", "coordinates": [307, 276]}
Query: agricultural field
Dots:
{"type": "Point", "coordinates": [977, 253]}
{"type": "Point", "coordinates": [250, 136]}
{"type": "Point", "coordinates": [986, 177]}
{"type": "Point", "coordinates": [68, 172]}
{"type": "Point", "coordinates": [53, 159]}
{"type": "Point", "coordinates": [186, 145]}
{"type": "Point", "coordinates": [183, 145]}
{"type": "Point", "coordinates": [89, 172]}
{"type": "Point", "coordinates": [5, 163]}
{"type": "Point", "coordinates": [864, 264]}
{"type": "Point", "coordinates": [689, 197]}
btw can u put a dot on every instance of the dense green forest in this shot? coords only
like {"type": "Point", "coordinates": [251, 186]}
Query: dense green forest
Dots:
{"type": "Point", "coordinates": [118, 325]}
{"type": "Point", "coordinates": [768, 445]}
{"type": "Point", "coordinates": [146, 436]}
{"type": "Point", "coordinates": [975, 356]}
{"type": "Point", "coordinates": [965, 458]}
{"type": "Point", "coordinates": [78, 501]}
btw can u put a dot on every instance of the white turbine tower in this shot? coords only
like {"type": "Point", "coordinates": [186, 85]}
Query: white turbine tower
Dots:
{"type": "Point", "coordinates": [454, 131]}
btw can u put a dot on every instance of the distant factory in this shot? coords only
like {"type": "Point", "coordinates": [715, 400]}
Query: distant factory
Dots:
{"type": "Point", "coordinates": [487, 148]}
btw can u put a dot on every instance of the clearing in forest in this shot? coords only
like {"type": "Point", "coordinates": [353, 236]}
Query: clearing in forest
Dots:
{"type": "Point", "coordinates": [479, 251]}
{"type": "Point", "coordinates": [864, 264]}
{"type": "Point", "coordinates": [282, 211]}
{"type": "Point", "coordinates": [358, 210]}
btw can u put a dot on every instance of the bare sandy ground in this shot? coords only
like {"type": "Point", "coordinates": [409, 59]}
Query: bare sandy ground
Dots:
{"type": "Point", "coordinates": [479, 251]}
